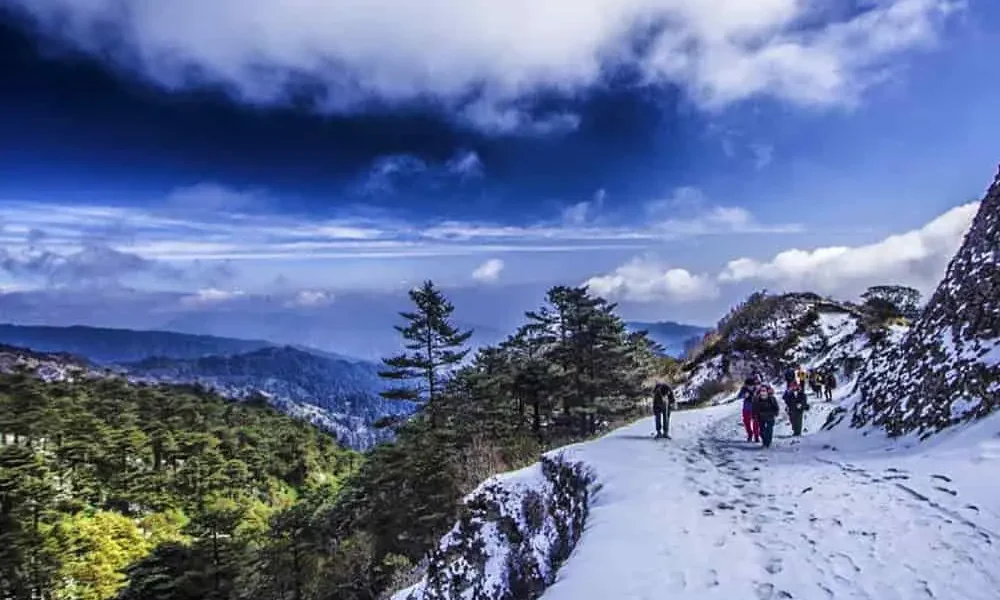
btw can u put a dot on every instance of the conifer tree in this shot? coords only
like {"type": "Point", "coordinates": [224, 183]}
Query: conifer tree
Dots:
{"type": "Point", "coordinates": [434, 345]}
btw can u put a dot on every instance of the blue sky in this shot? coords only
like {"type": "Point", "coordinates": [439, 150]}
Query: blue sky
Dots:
{"type": "Point", "coordinates": [171, 161]}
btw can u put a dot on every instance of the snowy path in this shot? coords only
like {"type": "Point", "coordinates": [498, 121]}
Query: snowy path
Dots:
{"type": "Point", "coordinates": [706, 515]}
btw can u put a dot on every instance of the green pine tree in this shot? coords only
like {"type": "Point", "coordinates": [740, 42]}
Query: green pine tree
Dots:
{"type": "Point", "coordinates": [434, 346]}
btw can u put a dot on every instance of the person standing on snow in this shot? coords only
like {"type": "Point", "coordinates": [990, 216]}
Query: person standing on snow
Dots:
{"type": "Point", "coordinates": [749, 421]}
{"type": "Point", "coordinates": [790, 375]}
{"type": "Point", "coordinates": [801, 375]}
{"type": "Point", "coordinates": [663, 405]}
{"type": "Point", "coordinates": [766, 410]}
{"type": "Point", "coordinates": [796, 405]}
{"type": "Point", "coordinates": [831, 382]}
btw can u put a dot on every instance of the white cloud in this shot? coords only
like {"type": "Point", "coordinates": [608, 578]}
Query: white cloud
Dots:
{"type": "Point", "coordinates": [763, 154]}
{"type": "Point", "coordinates": [484, 59]}
{"type": "Point", "coordinates": [466, 165]}
{"type": "Point", "coordinates": [645, 280]}
{"type": "Point", "coordinates": [917, 258]}
{"type": "Point", "coordinates": [210, 296]}
{"type": "Point", "coordinates": [683, 198]}
{"type": "Point", "coordinates": [310, 299]}
{"type": "Point", "coordinates": [583, 212]}
{"type": "Point", "coordinates": [159, 231]}
{"type": "Point", "coordinates": [489, 271]}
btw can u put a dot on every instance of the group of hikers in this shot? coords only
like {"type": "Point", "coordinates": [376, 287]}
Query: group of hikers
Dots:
{"type": "Point", "coordinates": [760, 402]}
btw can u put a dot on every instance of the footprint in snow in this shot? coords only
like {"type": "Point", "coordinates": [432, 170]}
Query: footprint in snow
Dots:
{"type": "Point", "coordinates": [942, 478]}
{"type": "Point", "coordinates": [764, 591]}
{"type": "Point", "coordinates": [773, 566]}
{"type": "Point", "coordinates": [972, 507]}
{"type": "Point", "coordinates": [946, 490]}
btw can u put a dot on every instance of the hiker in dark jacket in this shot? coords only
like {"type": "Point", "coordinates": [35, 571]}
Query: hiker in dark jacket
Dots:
{"type": "Point", "coordinates": [789, 375]}
{"type": "Point", "coordinates": [750, 423]}
{"type": "Point", "coordinates": [831, 382]}
{"type": "Point", "coordinates": [766, 410]}
{"type": "Point", "coordinates": [663, 405]}
{"type": "Point", "coordinates": [796, 405]}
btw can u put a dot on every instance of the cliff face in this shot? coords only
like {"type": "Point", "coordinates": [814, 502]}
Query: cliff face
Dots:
{"type": "Point", "coordinates": [947, 369]}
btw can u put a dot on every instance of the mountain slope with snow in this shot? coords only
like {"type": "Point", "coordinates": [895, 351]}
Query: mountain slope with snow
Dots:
{"type": "Point", "coordinates": [947, 369]}
{"type": "Point", "coordinates": [833, 514]}
{"type": "Point", "coordinates": [771, 333]}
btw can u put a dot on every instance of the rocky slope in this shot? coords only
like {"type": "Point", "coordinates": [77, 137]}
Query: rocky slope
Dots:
{"type": "Point", "coordinates": [514, 534]}
{"type": "Point", "coordinates": [946, 370]}
{"type": "Point", "coordinates": [48, 367]}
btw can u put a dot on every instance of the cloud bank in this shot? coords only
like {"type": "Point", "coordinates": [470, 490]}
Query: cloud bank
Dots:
{"type": "Point", "coordinates": [916, 258]}
{"type": "Point", "coordinates": [39, 235]}
{"type": "Point", "coordinates": [485, 61]}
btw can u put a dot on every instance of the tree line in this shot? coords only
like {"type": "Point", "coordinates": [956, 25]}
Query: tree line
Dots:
{"type": "Point", "coordinates": [114, 490]}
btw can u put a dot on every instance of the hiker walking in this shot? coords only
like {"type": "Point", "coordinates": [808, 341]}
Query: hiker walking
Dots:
{"type": "Point", "coordinates": [663, 405]}
{"type": "Point", "coordinates": [766, 410]}
{"type": "Point", "coordinates": [796, 405]}
{"type": "Point", "coordinates": [750, 423]}
{"type": "Point", "coordinates": [816, 381]}
{"type": "Point", "coordinates": [790, 375]}
{"type": "Point", "coordinates": [801, 375]}
{"type": "Point", "coordinates": [831, 382]}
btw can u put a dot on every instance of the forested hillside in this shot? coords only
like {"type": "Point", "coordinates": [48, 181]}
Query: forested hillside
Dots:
{"type": "Point", "coordinates": [190, 492]}
{"type": "Point", "coordinates": [170, 492]}
{"type": "Point", "coordinates": [339, 395]}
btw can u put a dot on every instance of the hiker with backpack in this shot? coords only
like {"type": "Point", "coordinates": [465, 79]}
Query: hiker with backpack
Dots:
{"type": "Point", "coordinates": [796, 405]}
{"type": "Point", "coordinates": [663, 404]}
{"type": "Point", "coordinates": [766, 410]}
{"type": "Point", "coordinates": [816, 381]}
{"type": "Point", "coordinates": [831, 382]}
{"type": "Point", "coordinates": [750, 423]}
{"type": "Point", "coordinates": [790, 375]}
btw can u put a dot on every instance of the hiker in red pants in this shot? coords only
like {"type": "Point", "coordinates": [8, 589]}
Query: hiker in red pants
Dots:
{"type": "Point", "coordinates": [750, 423]}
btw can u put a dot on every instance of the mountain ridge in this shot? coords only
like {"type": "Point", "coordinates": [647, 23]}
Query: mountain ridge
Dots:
{"type": "Point", "coordinates": [676, 338]}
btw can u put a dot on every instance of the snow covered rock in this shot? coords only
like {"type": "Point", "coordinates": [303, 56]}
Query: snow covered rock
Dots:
{"type": "Point", "coordinates": [515, 532]}
{"type": "Point", "coordinates": [947, 368]}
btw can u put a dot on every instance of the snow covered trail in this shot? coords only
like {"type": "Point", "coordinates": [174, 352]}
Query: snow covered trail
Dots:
{"type": "Point", "coordinates": [707, 515]}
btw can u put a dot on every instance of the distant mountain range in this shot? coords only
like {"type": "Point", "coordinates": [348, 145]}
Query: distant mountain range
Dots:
{"type": "Point", "coordinates": [106, 346]}
{"type": "Point", "coordinates": [674, 337]}
{"type": "Point", "coordinates": [338, 393]}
